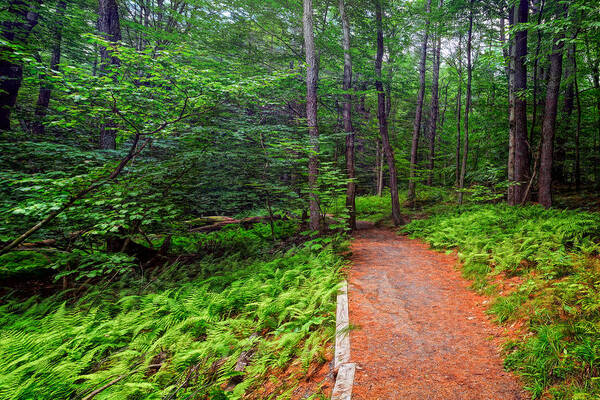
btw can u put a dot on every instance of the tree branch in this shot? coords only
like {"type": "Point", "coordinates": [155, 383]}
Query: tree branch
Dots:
{"type": "Point", "coordinates": [133, 151]}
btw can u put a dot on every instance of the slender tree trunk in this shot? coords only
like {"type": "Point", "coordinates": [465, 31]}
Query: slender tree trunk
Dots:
{"type": "Point", "coordinates": [312, 76]}
{"type": "Point", "coordinates": [41, 108]}
{"type": "Point", "coordinates": [578, 128]}
{"type": "Point", "coordinates": [380, 182]}
{"type": "Point", "coordinates": [414, 147]}
{"type": "Point", "coordinates": [443, 114]}
{"type": "Point", "coordinates": [521, 146]}
{"type": "Point", "coordinates": [22, 18]}
{"type": "Point", "coordinates": [458, 112]}
{"type": "Point", "coordinates": [535, 72]}
{"type": "Point", "coordinates": [376, 168]}
{"type": "Point", "coordinates": [465, 155]}
{"type": "Point", "coordinates": [548, 125]}
{"type": "Point", "coordinates": [110, 29]}
{"type": "Point", "coordinates": [347, 111]}
{"type": "Point", "coordinates": [381, 116]}
{"type": "Point", "coordinates": [559, 163]}
{"type": "Point", "coordinates": [441, 174]}
{"type": "Point", "coordinates": [595, 66]}
{"type": "Point", "coordinates": [510, 75]}
{"type": "Point", "coordinates": [434, 111]}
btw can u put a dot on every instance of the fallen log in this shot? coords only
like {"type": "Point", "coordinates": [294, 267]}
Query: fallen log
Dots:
{"type": "Point", "coordinates": [245, 223]}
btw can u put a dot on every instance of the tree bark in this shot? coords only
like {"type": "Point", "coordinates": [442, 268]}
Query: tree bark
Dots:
{"type": "Point", "coordinates": [458, 112]}
{"type": "Point", "coordinates": [347, 115]}
{"type": "Point", "coordinates": [578, 128]}
{"type": "Point", "coordinates": [15, 30]}
{"type": "Point", "coordinates": [465, 155]}
{"type": "Point", "coordinates": [559, 173]}
{"type": "Point", "coordinates": [434, 111]}
{"type": "Point", "coordinates": [382, 118]}
{"type": "Point", "coordinates": [312, 76]}
{"type": "Point", "coordinates": [535, 72]}
{"type": "Point", "coordinates": [41, 108]}
{"type": "Point", "coordinates": [414, 147]}
{"type": "Point", "coordinates": [510, 75]}
{"type": "Point", "coordinates": [595, 67]}
{"type": "Point", "coordinates": [521, 146]}
{"type": "Point", "coordinates": [548, 125]}
{"type": "Point", "coordinates": [110, 29]}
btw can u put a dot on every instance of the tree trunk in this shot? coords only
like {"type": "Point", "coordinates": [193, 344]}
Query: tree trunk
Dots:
{"type": "Point", "coordinates": [521, 146]}
{"type": "Point", "coordinates": [15, 30]}
{"type": "Point", "coordinates": [548, 125]}
{"type": "Point", "coordinates": [381, 116]}
{"type": "Point", "coordinates": [110, 29]}
{"type": "Point", "coordinates": [41, 107]}
{"type": "Point", "coordinates": [595, 67]}
{"type": "Point", "coordinates": [510, 75]}
{"type": "Point", "coordinates": [535, 72]}
{"type": "Point", "coordinates": [347, 111]}
{"type": "Point", "coordinates": [458, 112]}
{"type": "Point", "coordinates": [465, 155]}
{"type": "Point", "coordinates": [434, 112]}
{"type": "Point", "coordinates": [312, 76]}
{"type": "Point", "coordinates": [559, 163]}
{"type": "Point", "coordinates": [577, 130]}
{"type": "Point", "coordinates": [414, 147]}
{"type": "Point", "coordinates": [380, 176]}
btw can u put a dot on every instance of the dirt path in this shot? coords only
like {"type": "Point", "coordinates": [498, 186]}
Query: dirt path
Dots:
{"type": "Point", "coordinates": [423, 334]}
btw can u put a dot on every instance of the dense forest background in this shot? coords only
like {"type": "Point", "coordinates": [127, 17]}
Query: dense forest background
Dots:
{"type": "Point", "coordinates": [203, 161]}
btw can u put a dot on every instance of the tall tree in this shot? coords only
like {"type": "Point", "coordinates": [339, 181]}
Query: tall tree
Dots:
{"type": "Point", "coordinates": [578, 127]}
{"type": "Point", "coordinates": [382, 117]}
{"type": "Point", "coordinates": [414, 147]}
{"type": "Point", "coordinates": [19, 19]}
{"type": "Point", "coordinates": [465, 155]}
{"type": "Point", "coordinates": [347, 115]}
{"type": "Point", "coordinates": [109, 26]}
{"type": "Point", "coordinates": [549, 123]}
{"type": "Point", "coordinates": [458, 113]}
{"type": "Point", "coordinates": [595, 67]}
{"type": "Point", "coordinates": [510, 75]}
{"type": "Point", "coordinates": [434, 110]}
{"type": "Point", "coordinates": [41, 107]}
{"type": "Point", "coordinates": [565, 126]}
{"type": "Point", "coordinates": [521, 145]}
{"type": "Point", "coordinates": [540, 13]}
{"type": "Point", "coordinates": [312, 76]}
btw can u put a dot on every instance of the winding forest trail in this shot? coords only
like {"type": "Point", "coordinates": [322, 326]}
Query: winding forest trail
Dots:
{"type": "Point", "coordinates": [422, 333]}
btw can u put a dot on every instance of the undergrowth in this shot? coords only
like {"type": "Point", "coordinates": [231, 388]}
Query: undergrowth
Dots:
{"type": "Point", "coordinates": [542, 267]}
{"type": "Point", "coordinates": [378, 209]}
{"type": "Point", "coordinates": [177, 337]}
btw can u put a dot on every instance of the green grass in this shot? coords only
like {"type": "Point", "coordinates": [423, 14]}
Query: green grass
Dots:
{"type": "Point", "coordinates": [554, 256]}
{"type": "Point", "coordinates": [279, 307]}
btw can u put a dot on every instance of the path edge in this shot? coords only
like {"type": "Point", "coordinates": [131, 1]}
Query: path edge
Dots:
{"type": "Point", "coordinates": [342, 366]}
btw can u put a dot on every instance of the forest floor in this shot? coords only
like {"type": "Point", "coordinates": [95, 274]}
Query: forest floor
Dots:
{"type": "Point", "coordinates": [421, 333]}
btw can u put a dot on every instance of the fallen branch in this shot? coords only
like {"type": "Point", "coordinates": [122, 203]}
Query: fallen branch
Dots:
{"type": "Point", "coordinates": [245, 222]}
{"type": "Point", "coordinates": [133, 151]}
{"type": "Point", "coordinates": [116, 380]}
{"type": "Point", "coordinates": [92, 187]}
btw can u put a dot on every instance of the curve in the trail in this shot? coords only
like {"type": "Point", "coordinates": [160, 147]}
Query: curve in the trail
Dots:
{"type": "Point", "coordinates": [421, 332]}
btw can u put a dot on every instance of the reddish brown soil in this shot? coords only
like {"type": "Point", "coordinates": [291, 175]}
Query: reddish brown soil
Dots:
{"type": "Point", "coordinates": [422, 333]}
{"type": "Point", "coordinates": [318, 380]}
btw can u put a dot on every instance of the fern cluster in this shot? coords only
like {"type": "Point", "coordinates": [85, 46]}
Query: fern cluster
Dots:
{"type": "Point", "coordinates": [185, 339]}
{"type": "Point", "coordinates": [555, 255]}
